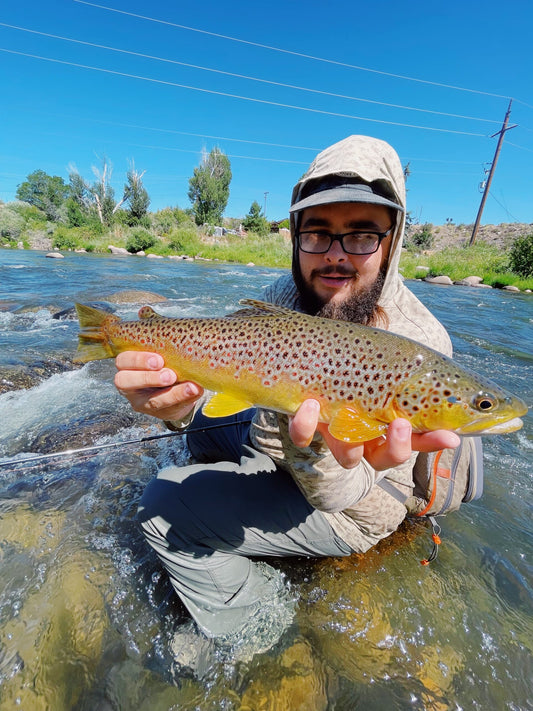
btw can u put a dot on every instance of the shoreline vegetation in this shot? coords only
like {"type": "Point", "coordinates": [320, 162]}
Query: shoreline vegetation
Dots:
{"type": "Point", "coordinates": [430, 252]}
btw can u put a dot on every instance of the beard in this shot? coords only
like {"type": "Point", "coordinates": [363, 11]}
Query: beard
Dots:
{"type": "Point", "coordinates": [361, 306]}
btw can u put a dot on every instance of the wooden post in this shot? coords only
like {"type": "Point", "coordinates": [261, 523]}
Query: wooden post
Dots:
{"type": "Point", "coordinates": [501, 133]}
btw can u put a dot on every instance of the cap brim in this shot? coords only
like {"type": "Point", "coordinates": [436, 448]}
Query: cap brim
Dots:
{"type": "Point", "coordinates": [344, 193]}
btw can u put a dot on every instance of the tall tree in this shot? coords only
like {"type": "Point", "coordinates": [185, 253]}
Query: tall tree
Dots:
{"type": "Point", "coordinates": [88, 201]}
{"type": "Point", "coordinates": [209, 187]}
{"type": "Point", "coordinates": [136, 196]}
{"type": "Point", "coordinates": [80, 204]}
{"type": "Point", "coordinates": [47, 192]}
{"type": "Point", "coordinates": [255, 221]}
{"type": "Point", "coordinates": [103, 193]}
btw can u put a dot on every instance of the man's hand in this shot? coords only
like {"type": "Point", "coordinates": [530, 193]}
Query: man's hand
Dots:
{"type": "Point", "coordinates": [153, 389]}
{"type": "Point", "coordinates": [381, 453]}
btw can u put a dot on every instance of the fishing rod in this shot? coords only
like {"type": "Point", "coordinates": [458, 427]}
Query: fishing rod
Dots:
{"type": "Point", "coordinates": [111, 445]}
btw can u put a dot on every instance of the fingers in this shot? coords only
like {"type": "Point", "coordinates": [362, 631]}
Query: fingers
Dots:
{"type": "Point", "coordinates": [153, 389]}
{"type": "Point", "coordinates": [433, 441]}
{"type": "Point", "coordinates": [127, 381]}
{"type": "Point", "coordinates": [396, 448]}
{"type": "Point", "coordinates": [347, 454]}
{"type": "Point", "coordinates": [139, 360]}
{"type": "Point", "coordinates": [390, 451]}
{"type": "Point", "coordinates": [381, 453]}
{"type": "Point", "coordinates": [303, 425]}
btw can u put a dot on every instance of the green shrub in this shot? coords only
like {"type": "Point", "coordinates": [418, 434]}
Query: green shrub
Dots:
{"type": "Point", "coordinates": [140, 240]}
{"type": "Point", "coordinates": [64, 239]}
{"type": "Point", "coordinates": [422, 239]}
{"type": "Point", "coordinates": [164, 221]}
{"type": "Point", "coordinates": [11, 223]}
{"type": "Point", "coordinates": [184, 240]}
{"type": "Point", "coordinates": [521, 256]}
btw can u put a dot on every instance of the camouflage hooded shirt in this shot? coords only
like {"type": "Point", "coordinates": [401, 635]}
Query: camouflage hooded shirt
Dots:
{"type": "Point", "coordinates": [359, 511]}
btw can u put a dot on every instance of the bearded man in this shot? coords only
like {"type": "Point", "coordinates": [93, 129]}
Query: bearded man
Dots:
{"type": "Point", "coordinates": [284, 486]}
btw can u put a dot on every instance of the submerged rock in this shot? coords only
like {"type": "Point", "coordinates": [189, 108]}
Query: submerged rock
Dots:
{"type": "Point", "coordinates": [24, 376]}
{"type": "Point", "coordinates": [53, 644]}
{"type": "Point", "coordinates": [81, 433]}
{"type": "Point", "coordinates": [69, 314]}
{"type": "Point", "coordinates": [469, 281]}
{"type": "Point", "coordinates": [134, 296]}
{"type": "Point", "coordinates": [298, 683]}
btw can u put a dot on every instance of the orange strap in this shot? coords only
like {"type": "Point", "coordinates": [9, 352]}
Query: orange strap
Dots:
{"type": "Point", "coordinates": [435, 472]}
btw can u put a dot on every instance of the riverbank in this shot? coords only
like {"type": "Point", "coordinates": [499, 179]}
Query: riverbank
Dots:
{"type": "Point", "coordinates": [447, 256]}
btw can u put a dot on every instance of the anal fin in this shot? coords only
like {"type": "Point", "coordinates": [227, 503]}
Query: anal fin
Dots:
{"type": "Point", "coordinates": [349, 425]}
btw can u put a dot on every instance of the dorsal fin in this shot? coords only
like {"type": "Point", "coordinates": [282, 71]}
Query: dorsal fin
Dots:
{"type": "Point", "coordinates": [267, 308]}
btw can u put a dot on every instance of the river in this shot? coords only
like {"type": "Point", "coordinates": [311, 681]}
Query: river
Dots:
{"type": "Point", "coordinates": [87, 618]}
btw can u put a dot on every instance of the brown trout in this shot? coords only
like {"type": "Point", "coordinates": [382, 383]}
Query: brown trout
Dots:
{"type": "Point", "coordinates": [272, 357]}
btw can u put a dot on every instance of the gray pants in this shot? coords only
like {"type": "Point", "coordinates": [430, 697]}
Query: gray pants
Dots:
{"type": "Point", "coordinates": [203, 520]}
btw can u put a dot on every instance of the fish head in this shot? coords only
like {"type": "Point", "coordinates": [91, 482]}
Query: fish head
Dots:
{"type": "Point", "coordinates": [449, 397]}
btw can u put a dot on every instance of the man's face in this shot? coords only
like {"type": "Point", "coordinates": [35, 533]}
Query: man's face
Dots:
{"type": "Point", "coordinates": [336, 277]}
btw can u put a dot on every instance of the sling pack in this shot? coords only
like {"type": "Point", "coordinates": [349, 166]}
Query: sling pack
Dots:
{"type": "Point", "coordinates": [442, 482]}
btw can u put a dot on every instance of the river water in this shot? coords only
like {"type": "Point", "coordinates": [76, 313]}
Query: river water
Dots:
{"type": "Point", "coordinates": [88, 620]}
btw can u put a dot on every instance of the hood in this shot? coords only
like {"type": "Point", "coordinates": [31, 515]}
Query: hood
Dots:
{"type": "Point", "coordinates": [373, 161]}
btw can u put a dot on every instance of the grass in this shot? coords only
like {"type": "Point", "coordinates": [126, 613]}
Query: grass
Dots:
{"type": "Point", "coordinates": [481, 259]}
{"type": "Point", "coordinates": [270, 251]}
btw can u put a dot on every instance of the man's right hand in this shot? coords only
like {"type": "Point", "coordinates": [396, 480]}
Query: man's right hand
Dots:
{"type": "Point", "coordinates": [151, 388]}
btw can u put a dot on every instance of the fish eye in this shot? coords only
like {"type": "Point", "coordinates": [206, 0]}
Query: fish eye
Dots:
{"type": "Point", "coordinates": [484, 402]}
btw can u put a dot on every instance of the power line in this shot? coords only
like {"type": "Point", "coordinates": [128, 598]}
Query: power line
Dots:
{"type": "Point", "coordinates": [242, 98]}
{"type": "Point", "coordinates": [509, 214]}
{"type": "Point", "coordinates": [244, 76]}
{"type": "Point", "coordinates": [241, 140]}
{"type": "Point", "coordinates": [173, 131]}
{"type": "Point", "coordinates": [229, 155]}
{"type": "Point", "coordinates": [515, 145]}
{"type": "Point", "coordinates": [293, 53]}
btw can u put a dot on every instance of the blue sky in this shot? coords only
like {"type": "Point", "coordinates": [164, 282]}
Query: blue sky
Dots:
{"type": "Point", "coordinates": [133, 106]}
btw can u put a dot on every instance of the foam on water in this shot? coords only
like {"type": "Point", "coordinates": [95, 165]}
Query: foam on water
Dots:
{"type": "Point", "coordinates": [59, 399]}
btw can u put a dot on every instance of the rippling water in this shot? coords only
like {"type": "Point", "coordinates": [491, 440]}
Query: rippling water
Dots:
{"type": "Point", "coordinates": [87, 619]}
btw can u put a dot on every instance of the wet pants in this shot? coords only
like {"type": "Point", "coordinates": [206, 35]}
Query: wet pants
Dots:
{"type": "Point", "coordinates": [205, 519]}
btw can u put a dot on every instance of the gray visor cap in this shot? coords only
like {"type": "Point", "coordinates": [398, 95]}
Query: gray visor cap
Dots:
{"type": "Point", "coordinates": [326, 193]}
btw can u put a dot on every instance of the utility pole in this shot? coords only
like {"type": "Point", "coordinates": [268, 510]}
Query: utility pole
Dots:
{"type": "Point", "coordinates": [501, 133]}
{"type": "Point", "coordinates": [265, 210]}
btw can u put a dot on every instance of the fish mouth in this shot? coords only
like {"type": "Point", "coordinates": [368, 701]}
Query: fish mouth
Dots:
{"type": "Point", "coordinates": [499, 428]}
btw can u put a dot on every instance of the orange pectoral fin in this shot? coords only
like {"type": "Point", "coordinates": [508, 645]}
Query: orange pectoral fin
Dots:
{"type": "Point", "coordinates": [349, 425]}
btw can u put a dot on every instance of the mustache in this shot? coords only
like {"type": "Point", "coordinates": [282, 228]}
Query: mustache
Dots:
{"type": "Point", "coordinates": [338, 270]}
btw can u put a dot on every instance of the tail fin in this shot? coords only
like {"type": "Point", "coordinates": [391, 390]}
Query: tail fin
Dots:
{"type": "Point", "coordinates": [93, 343]}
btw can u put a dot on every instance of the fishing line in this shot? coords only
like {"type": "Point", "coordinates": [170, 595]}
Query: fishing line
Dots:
{"type": "Point", "coordinates": [111, 445]}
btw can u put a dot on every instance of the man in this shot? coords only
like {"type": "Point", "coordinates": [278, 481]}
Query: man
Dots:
{"type": "Point", "coordinates": [284, 486]}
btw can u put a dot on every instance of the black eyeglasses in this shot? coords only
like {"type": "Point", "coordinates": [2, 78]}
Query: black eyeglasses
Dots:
{"type": "Point", "coordinates": [319, 241]}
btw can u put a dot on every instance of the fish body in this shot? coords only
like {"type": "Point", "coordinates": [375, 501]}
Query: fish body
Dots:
{"type": "Point", "coordinates": [273, 357]}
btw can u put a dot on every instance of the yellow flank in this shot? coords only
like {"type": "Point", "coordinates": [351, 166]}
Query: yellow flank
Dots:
{"type": "Point", "coordinates": [269, 356]}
